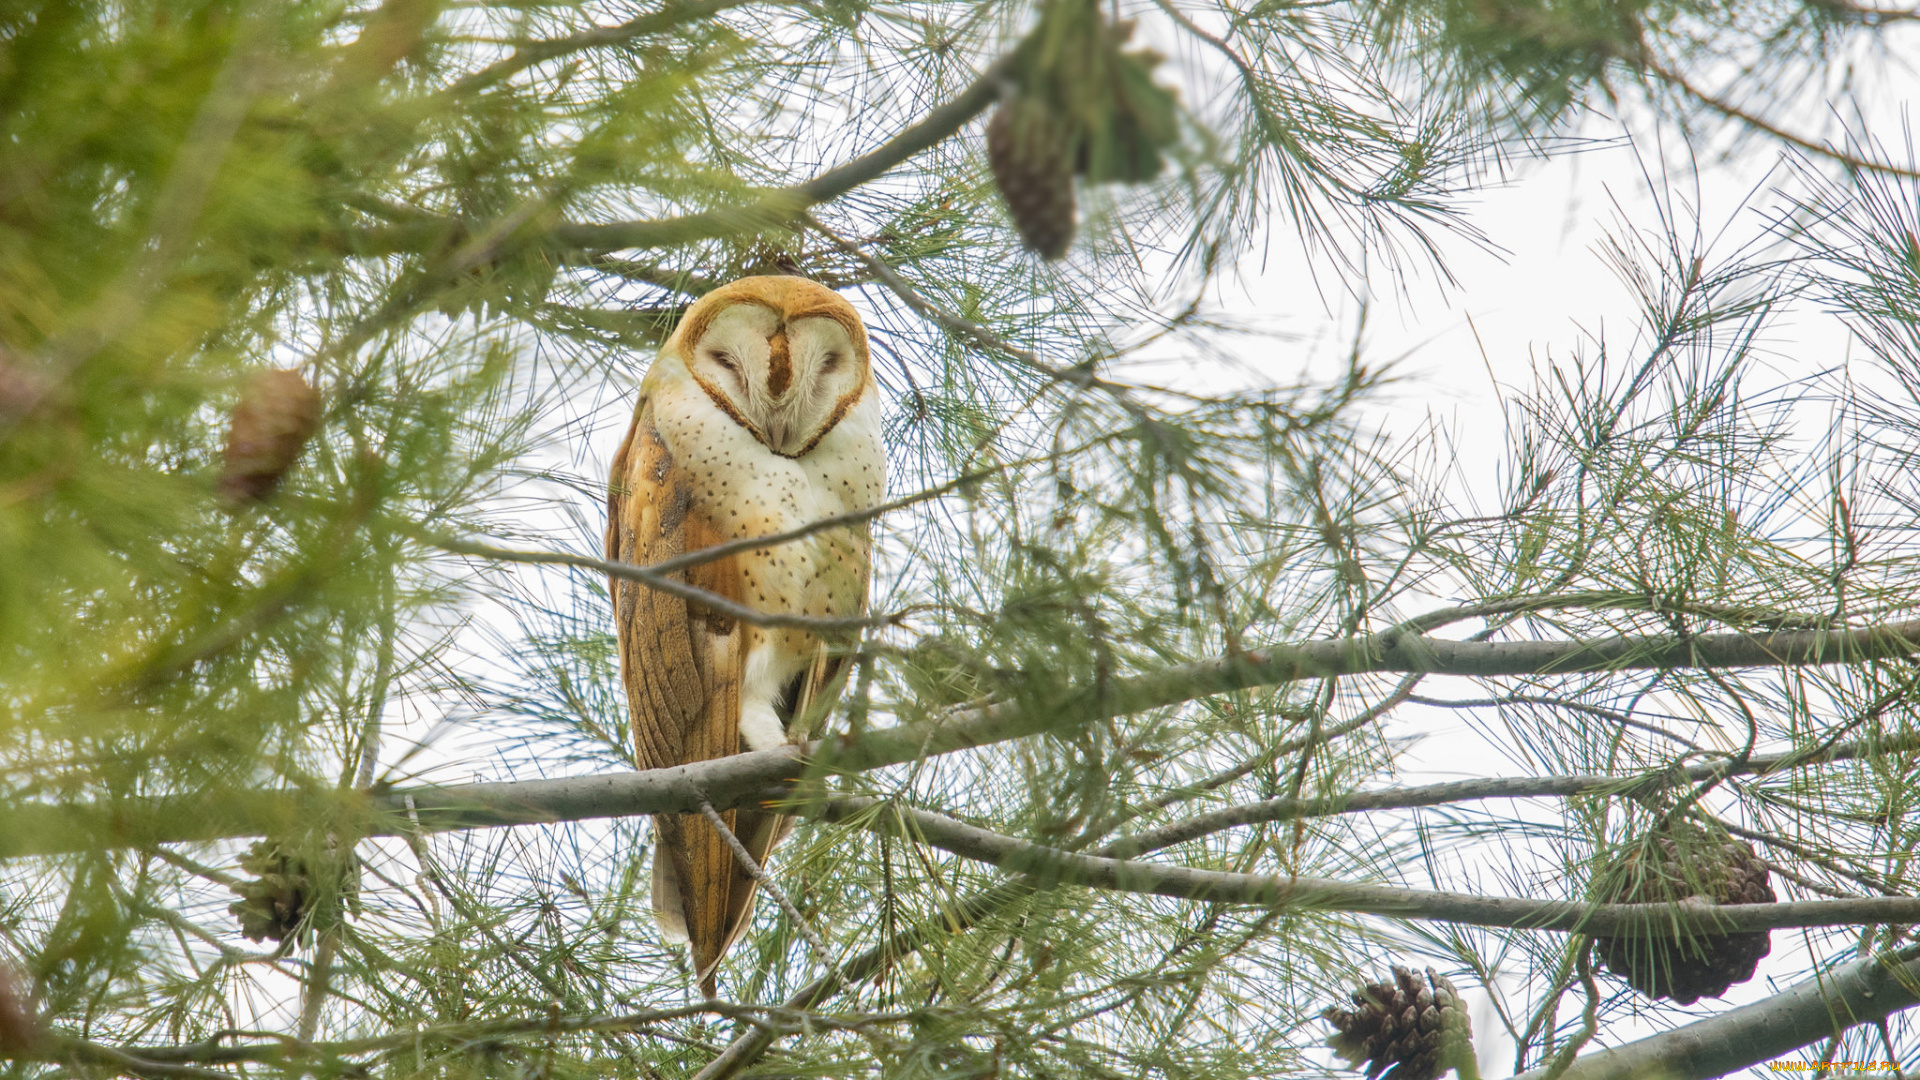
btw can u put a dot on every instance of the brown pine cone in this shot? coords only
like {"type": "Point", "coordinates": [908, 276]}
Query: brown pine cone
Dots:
{"type": "Point", "coordinates": [1031, 153]}
{"type": "Point", "coordinates": [1694, 869]}
{"type": "Point", "coordinates": [19, 1026]}
{"type": "Point", "coordinates": [278, 412]}
{"type": "Point", "coordinates": [1403, 1025]}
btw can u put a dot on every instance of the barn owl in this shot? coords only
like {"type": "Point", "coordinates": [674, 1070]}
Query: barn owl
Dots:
{"type": "Point", "coordinates": [760, 415]}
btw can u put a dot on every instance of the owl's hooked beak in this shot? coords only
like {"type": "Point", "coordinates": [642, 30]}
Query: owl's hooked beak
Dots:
{"type": "Point", "coordinates": [776, 429]}
{"type": "Point", "coordinates": [784, 428]}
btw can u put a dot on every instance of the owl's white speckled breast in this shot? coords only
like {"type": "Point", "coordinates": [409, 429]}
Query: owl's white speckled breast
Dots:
{"type": "Point", "coordinates": [747, 490]}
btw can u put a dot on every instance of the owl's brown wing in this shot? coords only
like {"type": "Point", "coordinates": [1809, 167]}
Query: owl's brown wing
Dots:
{"type": "Point", "coordinates": [682, 666]}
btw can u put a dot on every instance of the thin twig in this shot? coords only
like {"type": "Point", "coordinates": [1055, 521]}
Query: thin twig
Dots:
{"type": "Point", "coordinates": [1589, 1019]}
{"type": "Point", "coordinates": [526, 54]}
{"type": "Point", "coordinates": [824, 624]}
{"type": "Point", "coordinates": [1863, 878]}
{"type": "Point", "coordinates": [1609, 715]}
{"type": "Point", "coordinates": [857, 517]}
{"type": "Point", "coordinates": [1610, 600]}
{"type": "Point", "coordinates": [1734, 112]}
{"type": "Point", "coordinates": [765, 880]}
{"type": "Point", "coordinates": [80, 1050]}
{"type": "Point", "coordinates": [272, 1048]}
{"type": "Point", "coordinates": [1893, 1055]}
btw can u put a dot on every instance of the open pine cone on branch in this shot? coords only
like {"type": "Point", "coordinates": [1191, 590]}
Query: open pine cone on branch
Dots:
{"type": "Point", "coordinates": [1685, 866]}
{"type": "Point", "coordinates": [291, 888]}
{"type": "Point", "coordinates": [1416, 1026]}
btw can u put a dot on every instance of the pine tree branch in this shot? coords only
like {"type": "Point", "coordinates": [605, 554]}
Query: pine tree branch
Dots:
{"type": "Point", "coordinates": [766, 774]}
{"type": "Point", "coordinates": [1056, 866]}
{"type": "Point", "coordinates": [674, 14]}
{"type": "Point", "coordinates": [1521, 787]}
{"type": "Point", "coordinates": [773, 208]}
{"type": "Point", "coordinates": [1820, 1007]}
{"type": "Point", "coordinates": [1739, 115]}
{"type": "Point", "coordinates": [127, 1064]}
{"type": "Point", "coordinates": [1283, 664]}
{"type": "Point", "coordinates": [966, 913]}
{"type": "Point", "coordinates": [747, 1048]}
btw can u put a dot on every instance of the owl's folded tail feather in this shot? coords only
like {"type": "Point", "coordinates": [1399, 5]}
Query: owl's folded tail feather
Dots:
{"type": "Point", "coordinates": [711, 917]}
{"type": "Point", "coordinates": [666, 900]}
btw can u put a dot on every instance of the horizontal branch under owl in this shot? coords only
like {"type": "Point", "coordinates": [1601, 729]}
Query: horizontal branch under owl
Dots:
{"type": "Point", "coordinates": [769, 774]}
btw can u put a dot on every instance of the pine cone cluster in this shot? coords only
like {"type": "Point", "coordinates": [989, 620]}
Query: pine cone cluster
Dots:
{"type": "Point", "coordinates": [1077, 105]}
{"type": "Point", "coordinates": [1405, 1025]}
{"type": "Point", "coordinates": [278, 412]}
{"type": "Point", "coordinates": [1692, 868]}
{"type": "Point", "coordinates": [285, 888]}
